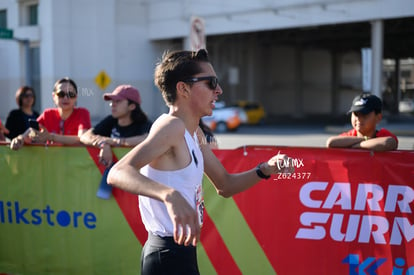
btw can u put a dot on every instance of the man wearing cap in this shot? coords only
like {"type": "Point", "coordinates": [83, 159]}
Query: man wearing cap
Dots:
{"type": "Point", "coordinates": [366, 113]}
{"type": "Point", "coordinates": [127, 126]}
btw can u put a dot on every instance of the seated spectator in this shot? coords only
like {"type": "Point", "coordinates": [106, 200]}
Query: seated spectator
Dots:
{"type": "Point", "coordinates": [18, 119]}
{"type": "Point", "coordinates": [366, 113]}
{"type": "Point", "coordinates": [63, 124]}
{"type": "Point", "coordinates": [3, 131]}
{"type": "Point", "coordinates": [126, 126]}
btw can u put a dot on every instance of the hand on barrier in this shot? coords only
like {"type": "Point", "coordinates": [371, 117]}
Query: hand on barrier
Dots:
{"type": "Point", "coordinates": [105, 155]}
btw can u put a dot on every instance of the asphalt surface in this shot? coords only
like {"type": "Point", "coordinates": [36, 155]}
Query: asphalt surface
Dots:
{"type": "Point", "coordinates": [305, 135]}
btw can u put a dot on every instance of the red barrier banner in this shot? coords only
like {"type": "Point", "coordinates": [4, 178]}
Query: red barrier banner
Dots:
{"type": "Point", "coordinates": [340, 212]}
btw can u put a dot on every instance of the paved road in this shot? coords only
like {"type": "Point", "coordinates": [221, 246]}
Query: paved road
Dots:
{"type": "Point", "coordinates": [308, 136]}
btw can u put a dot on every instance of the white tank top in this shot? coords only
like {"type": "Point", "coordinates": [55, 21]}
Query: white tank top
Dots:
{"type": "Point", "coordinates": [187, 181]}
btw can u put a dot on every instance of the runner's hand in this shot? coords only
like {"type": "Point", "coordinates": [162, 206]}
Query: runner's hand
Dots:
{"type": "Point", "coordinates": [279, 163]}
{"type": "Point", "coordinates": [184, 219]}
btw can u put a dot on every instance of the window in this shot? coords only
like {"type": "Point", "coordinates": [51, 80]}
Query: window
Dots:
{"type": "Point", "coordinates": [32, 14]}
{"type": "Point", "coordinates": [28, 12]}
{"type": "Point", "coordinates": [3, 19]}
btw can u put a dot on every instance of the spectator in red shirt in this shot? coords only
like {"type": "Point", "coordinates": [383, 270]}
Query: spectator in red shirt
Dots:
{"type": "Point", "coordinates": [366, 113]}
{"type": "Point", "coordinates": [63, 124]}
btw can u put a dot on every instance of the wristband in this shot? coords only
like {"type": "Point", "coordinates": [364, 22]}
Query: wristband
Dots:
{"type": "Point", "coordinates": [260, 173]}
{"type": "Point", "coordinates": [366, 138]}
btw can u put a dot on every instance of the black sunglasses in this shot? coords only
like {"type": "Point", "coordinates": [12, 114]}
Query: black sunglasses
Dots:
{"type": "Point", "coordinates": [212, 81]}
{"type": "Point", "coordinates": [62, 94]}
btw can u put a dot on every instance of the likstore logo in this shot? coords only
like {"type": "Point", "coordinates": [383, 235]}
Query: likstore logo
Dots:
{"type": "Point", "coordinates": [15, 213]}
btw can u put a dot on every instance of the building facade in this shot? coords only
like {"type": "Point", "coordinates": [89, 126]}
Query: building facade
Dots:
{"type": "Point", "coordinates": [299, 58]}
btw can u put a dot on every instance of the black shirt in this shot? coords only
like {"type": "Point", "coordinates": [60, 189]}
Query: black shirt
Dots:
{"type": "Point", "coordinates": [109, 127]}
{"type": "Point", "coordinates": [17, 122]}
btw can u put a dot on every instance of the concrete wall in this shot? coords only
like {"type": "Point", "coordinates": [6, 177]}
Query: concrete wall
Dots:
{"type": "Point", "coordinates": [79, 39]}
{"type": "Point", "coordinates": [170, 19]}
{"type": "Point", "coordinates": [97, 36]}
{"type": "Point", "coordinates": [125, 38]}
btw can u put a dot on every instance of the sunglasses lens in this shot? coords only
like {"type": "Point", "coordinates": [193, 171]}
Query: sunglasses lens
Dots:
{"type": "Point", "coordinates": [213, 83]}
{"type": "Point", "coordinates": [62, 94]}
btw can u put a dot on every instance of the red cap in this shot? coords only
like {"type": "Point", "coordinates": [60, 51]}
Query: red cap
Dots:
{"type": "Point", "coordinates": [124, 92]}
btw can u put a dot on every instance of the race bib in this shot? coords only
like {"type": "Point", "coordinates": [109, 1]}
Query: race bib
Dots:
{"type": "Point", "coordinates": [200, 204]}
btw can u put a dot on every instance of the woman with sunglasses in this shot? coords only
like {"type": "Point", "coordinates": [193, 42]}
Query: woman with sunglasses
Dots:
{"type": "Point", "coordinates": [63, 124]}
{"type": "Point", "coordinates": [18, 119]}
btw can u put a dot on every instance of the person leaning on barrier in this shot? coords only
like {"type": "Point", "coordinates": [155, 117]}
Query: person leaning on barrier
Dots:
{"type": "Point", "coordinates": [366, 113]}
{"type": "Point", "coordinates": [166, 169]}
{"type": "Point", "coordinates": [18, 119]}
{"type": "Point", "coordinates": [3, 131]}
{"type": "Point", "coordinates": [63, 124]}
{"type": "Point", "coordinates": [128, 125]}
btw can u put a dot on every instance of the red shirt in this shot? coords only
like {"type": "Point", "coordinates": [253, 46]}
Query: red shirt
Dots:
{"type": "Point", "coordinates": [77, 121]}
{"type": "Point", "coordinates": [380, 133]}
